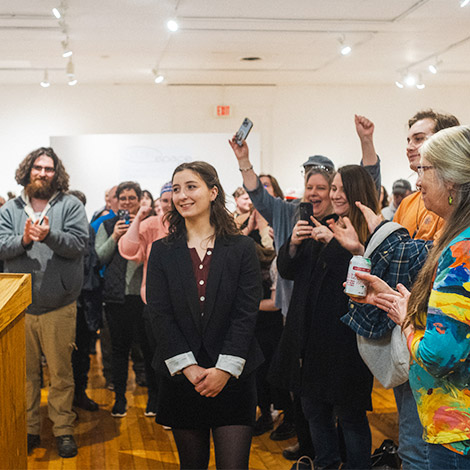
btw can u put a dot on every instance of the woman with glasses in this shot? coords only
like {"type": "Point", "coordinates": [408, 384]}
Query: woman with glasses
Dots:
{"type": "Point", "coordinates": [121, 294]}
{"type": "Point", "coordinates": [435, 316]}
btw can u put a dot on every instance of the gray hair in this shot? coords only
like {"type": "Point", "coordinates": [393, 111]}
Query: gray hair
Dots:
{"type": "Point", "coordinates": [448, 151]}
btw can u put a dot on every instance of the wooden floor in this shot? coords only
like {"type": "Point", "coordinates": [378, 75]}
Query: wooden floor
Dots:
{"type": "Point", "coordinates": [137, 442]}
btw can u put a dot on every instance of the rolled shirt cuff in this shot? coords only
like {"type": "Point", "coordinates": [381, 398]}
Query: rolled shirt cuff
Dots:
{"type": "Point", "coordinates": [232, 364]}
{"type": "Point", "coordinates": [177, 363]}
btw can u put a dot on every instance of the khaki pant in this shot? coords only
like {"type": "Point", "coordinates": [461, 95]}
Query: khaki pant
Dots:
{"type": "Point", "coordinates": [52, 334]}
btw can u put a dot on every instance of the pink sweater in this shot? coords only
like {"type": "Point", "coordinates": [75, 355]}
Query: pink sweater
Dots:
{"type": "Point", "coordinates": [150, 229]}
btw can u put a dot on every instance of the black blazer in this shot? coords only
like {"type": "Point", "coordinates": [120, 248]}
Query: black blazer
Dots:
{"type": "Point", "coordinates": [233, 294]}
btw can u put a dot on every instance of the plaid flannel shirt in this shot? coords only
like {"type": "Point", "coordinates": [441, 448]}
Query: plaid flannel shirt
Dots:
{"type": "Point", "coordinates": [398, 259]}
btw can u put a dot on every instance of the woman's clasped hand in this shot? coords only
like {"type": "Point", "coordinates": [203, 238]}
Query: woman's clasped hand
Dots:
{"type": "Point", "coordinates": [207, 382]}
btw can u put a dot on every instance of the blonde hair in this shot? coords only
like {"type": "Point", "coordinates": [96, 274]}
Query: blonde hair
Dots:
{"type": "Point", "coordinates": [448, 151]}
{"type": "Point", "coordinates": [239, 192]}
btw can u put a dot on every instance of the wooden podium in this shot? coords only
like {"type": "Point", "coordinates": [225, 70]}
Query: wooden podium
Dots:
{"type": "Point", "coordinates": [15, 296]}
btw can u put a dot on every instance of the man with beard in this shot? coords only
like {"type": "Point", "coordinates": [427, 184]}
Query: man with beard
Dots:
{"type": "Point", "coordinates": [45, 232]}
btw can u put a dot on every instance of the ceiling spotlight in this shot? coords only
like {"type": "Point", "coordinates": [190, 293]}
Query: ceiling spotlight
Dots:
{"type": "Point", "coordinates": [434, 67]}
{"type": "Point", "coordinates": [157, 76]}
{"type": "Point", "coordinates": [67, 51]}
{"type": "Point", "coordinates": [72, 81]}
{"type": "Point", "coordinates": [56, 12]}
{"type": "Point", "coordinates": [399, 84]}
{"type": "Point", "coordinates": [419, 83]}
{"type": "Point", "coordinates": [410, 80]}
{"type": "Point", "coordinates": [345, 49]}
{"type": "Point", "coordinates": [59, 12]}
{"type": "Point", "coordinates": [45, 81]}
{"type": "Point", "coordinates": [172, 25]}
{"type": "Point", "coordinates": [464, 3]}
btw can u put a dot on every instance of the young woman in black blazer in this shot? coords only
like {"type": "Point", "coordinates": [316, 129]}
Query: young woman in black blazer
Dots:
{"type": "Point", "coordinates": [203, 293]}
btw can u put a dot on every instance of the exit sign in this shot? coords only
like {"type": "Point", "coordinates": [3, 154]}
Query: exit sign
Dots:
{"type": "Point", "coordinates": [222, 111]}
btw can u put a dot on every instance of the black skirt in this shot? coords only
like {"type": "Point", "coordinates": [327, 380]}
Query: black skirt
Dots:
{"type": "Point", "coordinates": [181, 407]}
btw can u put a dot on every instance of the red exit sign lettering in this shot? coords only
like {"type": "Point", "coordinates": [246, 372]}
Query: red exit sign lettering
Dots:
{"type": "Point", "coordinates": [222, 111]}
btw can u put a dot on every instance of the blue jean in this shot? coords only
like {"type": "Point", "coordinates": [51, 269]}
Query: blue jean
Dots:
{"type": "Point", "coordinates": [442, 458]}
{"type": "Point", "coordinates": [321, 417]}
{"type": "Point", "coordinates": [412, 449]}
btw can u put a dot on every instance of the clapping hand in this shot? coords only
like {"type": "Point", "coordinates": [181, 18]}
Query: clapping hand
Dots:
{"type": "Point", "coordinates": [373, 220]}
{"type": "Point", "coordinates": [346, 235]}
{"type": "Point", "coordinates": [36, 231]}
{"type": "Point", "coordinates": [395, 304]}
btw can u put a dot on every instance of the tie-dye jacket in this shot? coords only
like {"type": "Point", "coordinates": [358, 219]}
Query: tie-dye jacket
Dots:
{"type": "Point", "coordinates": [440, 366]}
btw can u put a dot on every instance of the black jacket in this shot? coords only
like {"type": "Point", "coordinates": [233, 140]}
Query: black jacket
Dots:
{"type": "Point", "coordinates": [114, 285]}
{"type": "Point", "coordinates": [314, 335]}
{"type": "Point", "coordinates": [233, 294]}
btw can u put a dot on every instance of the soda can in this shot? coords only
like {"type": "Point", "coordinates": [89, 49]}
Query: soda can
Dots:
{"type": "Point", "coordinates": [354, 286]}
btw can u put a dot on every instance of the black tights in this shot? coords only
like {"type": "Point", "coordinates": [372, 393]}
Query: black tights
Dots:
{"type": "Point", "coordinates": [231, 444]}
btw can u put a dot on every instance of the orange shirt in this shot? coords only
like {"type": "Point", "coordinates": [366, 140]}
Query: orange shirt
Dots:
{"type": "Point", "coordinates": [413, 215]}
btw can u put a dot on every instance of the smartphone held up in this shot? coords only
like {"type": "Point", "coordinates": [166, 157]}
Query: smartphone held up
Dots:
{"type": "Point", "coordinates": [243, 132]}
{"type": "Point", "coordinates": [123, 214]}
{"type": "Point", "coordinates": [306, 212]}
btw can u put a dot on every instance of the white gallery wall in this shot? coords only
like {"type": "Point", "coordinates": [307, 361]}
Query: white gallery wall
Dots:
{"type": "Point", "coordinates": [291, 123]}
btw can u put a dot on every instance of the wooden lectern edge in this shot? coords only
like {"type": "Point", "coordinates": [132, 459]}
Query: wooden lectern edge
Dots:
{"type": "Point", "coordinates": [15, 296]}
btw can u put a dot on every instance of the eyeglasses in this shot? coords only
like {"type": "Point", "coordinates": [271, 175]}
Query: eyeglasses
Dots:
{"type": "Point", "coordinates": [47, 169]}
{"type": "Point", "coordinates": [306, 169]}
{"type": "Point", "coordinates": [422, 168]}
{"type": "Point", "coordinates": [128, 198]}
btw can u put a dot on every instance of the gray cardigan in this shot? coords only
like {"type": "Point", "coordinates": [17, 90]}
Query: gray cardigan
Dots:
{"type": "Point", "coordinates": [56, 263]}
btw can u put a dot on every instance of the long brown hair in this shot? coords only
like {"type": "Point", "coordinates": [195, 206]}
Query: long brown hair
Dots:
{"type": "Point", "coordinates": [359, 186]}
{"type": "Point", "coordinates": [448, 151]}
{"type": "Point", "coordinates": [60, 182]}
{"type": "Point", "coordinates": [220, 217]}
{"type": "Point", "coordinates": [274, 183]}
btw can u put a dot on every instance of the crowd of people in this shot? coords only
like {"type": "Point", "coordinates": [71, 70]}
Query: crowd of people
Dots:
{"type": "Point", "coordinates": [231, 317]}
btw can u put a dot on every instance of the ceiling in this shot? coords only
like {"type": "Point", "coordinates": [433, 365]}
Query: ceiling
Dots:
{"type": "Point", "coordinates": [298, 42]}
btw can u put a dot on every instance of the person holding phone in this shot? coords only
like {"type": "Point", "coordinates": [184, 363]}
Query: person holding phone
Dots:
{"type": "Point", "coordinates": [203, 293]}
{"type": "Point", "coordinates": [335, 382]}
{"type": "Point", "coordinates": [122, 303]}
{"type": "Point", "coordinates": [281, 215]}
